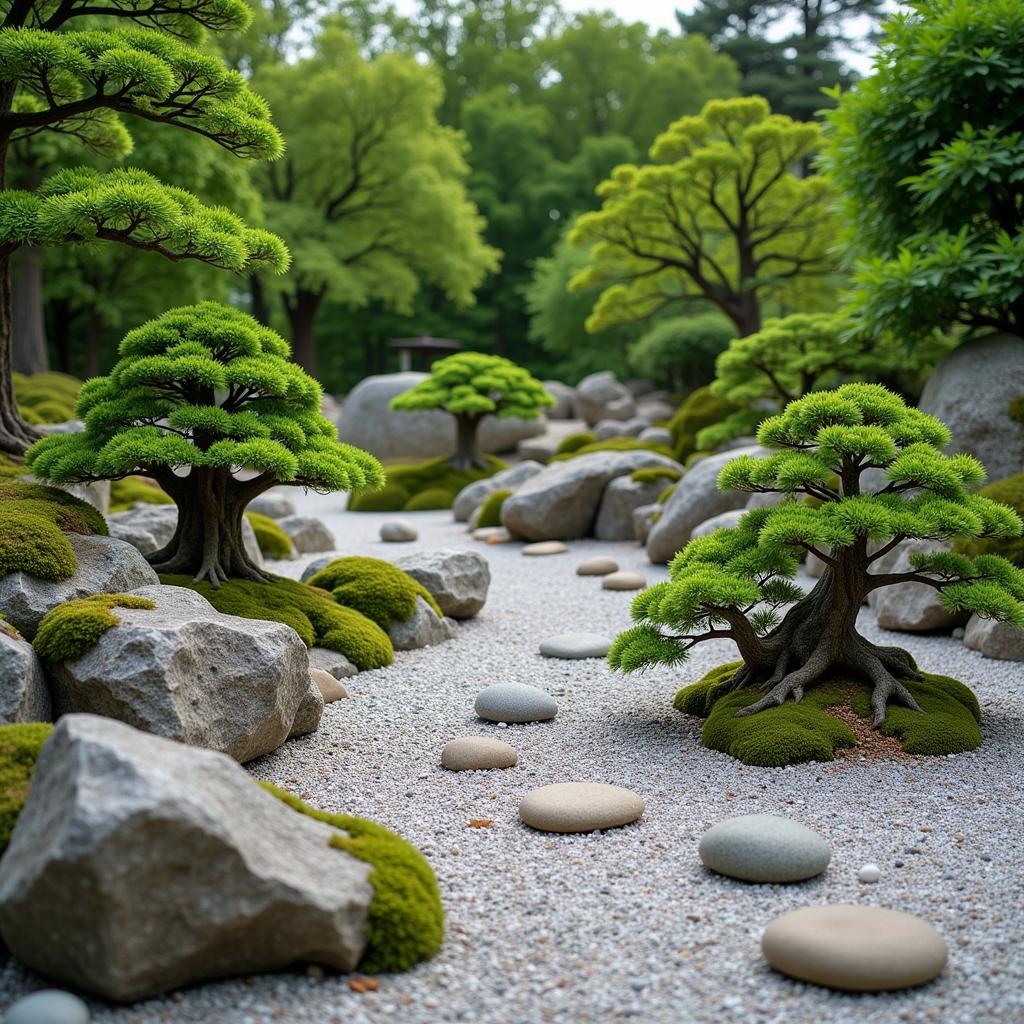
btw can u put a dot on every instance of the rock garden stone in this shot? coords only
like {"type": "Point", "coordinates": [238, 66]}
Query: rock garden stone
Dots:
{"type": "Point", "coordinates": [580, 807]}
{"type": "Point", "coordinates": [573, 646]}
{"type": "Point", "coordinates": [309, 712]}
{"type": "Point", "coordinates": [599, 565]}
{"type": "Point", "coordinates": [331, 689]}
{"type": "Point", "coordinates": [643, 519]}
{"type": "Point", "coordinates": [621, 498]}
{"type": "Point", "coordinates": [424, 629]}
{"type": "Point", "coordinates": [607, 429]}
{"type": "Point", "coordinates": [724, 520]}
{"type": "Point", "coordinates": [24, 695]}
{"type": "Point", "coordinates": [601, 397]}
{"type": "Point", "coordinates": [869, 874]}
{"type": "Point", "coordinates": [49, 1006]}
{"type": "Point", "coordinates": [477, 753]}
{"type": "Point", "coordinates": [308, 534]}
{"type": "Point", "coordinates": [457, 579]}
{"type": "Point", "coordinates": [856, 948]}
{"type": "Point", "coordinates": [656, 435]}
{"type": "Point", "coordinates": [500, 536]}
{"type": "Point", "coordinates": [105, 566]}
{"type": "Point", "coordinates": [562, 501]}
{"type": "Point", "coordinates": [623, 581]}
{"type": "Point", "coordinates": [764, 848]}
{"type": "Point", "coordinates": [273, 504]}
{"type": "Point", "coordinates": [473, 495]}
{"type": "Point", "coordinates": [235, 882]}
{"type": "Point", "coordinates": [695, 499]}
{"type": "Point", "coordinates": [655, 410]}
{"type": "Point", "coordinates": [187, 672]}
{"type": "Point", "coordinates": [910, 607]}
{"type": "Point", "coordinates": [994, 639]}
{"type": "Point", "coordinates": [487, 532]}
{"type": "Point", "coordinates": [515, 702]}
{"type": "Point", "coordinates": [398, 531]}
{"type": "Point", "coordinates": [545, 547]}
{"type": "Point", "coordinates": [334, 662]}
{"type": "Point", "coordinates": [566, 400]}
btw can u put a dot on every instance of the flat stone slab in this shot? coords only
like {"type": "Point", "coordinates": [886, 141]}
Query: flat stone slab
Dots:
{"type": "Point", "coordinates": [545, 547]}
{"type": "Point", "coordinates": [515, 702]}
{"type": "Point", "coordinates": [398, 531]}
{"type": "Point", "coordinates": [50, 1006]}
{"type": "Point", "coordinates": [624, 581]}
{"type": "Point", "coordinates": [580, 807]}
{"type": "Point", "coordinates": [575, 645]}
{"type": "Point", "coordinates": [599, 565]}
{"type": "Point", "coordinates": [856, 948]}
{"type": "Point", "coordinates": [764, 848]}
{"type": "Point", "coordinates": [477, 753]}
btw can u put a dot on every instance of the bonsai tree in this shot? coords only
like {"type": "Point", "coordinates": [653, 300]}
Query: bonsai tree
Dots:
{"type": "Point", "coordinates": [733, 583]}
{"type": "Point", "coordinates": [206, 402]}
{"type": "Point", "coordinates": [471, 385]}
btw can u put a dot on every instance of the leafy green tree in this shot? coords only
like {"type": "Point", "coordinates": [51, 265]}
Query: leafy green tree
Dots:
{"type": "Point", "coordinates": [721, 215]}
{"type": "Point", "coordinates": [372, 198]}
{"type": "Point", "coordinates": [928, 154]}
{"type": "Point", "coordinates": [732, 583]}
{"type": "Point", "coordinates": [82, 83]}
{"type": "Point", "coordinates": [472, 385]}
{"type": "Point", "coordinates": [209, 389]}
{"type": "Point", "coordinates": [681, 350]}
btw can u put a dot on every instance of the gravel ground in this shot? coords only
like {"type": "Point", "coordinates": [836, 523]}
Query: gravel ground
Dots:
{"type": "Point", "coordinates": [627, 923]}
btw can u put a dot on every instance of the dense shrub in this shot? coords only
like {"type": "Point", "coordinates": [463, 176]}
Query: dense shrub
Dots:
{"type": "Point", "coordinates": [700, 409]}
{"type": "Point", "coordinates": [1009, 492]}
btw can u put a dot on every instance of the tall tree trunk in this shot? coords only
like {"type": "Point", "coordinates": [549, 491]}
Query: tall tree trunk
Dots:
{"type": "Point", "coordinates": [60, 330]}
{"type": "Point", "coordinates": [94, 342]}
{"type": "Point", "coordinates": [15, 434]}
{"type": "Point", "coordinates": [302, 308]}
{"type": "Point", "coordinates": [258, 300]}
{"type": "Point", "coordinates": [467, 445]}
{"type": "Point", "coordinates": [29, 330]}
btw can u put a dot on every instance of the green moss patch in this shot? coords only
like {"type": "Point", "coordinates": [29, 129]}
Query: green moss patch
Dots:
{"type": "Point", "coordinates": [615, 444]}
{"type": "Point", "coordinates": [649, 474]}
{"type": "Point", "coordinates": [374, 588]}
{"type": "Point", "coordinates": [73, 628]}
{"type": "Point", "coordinates": [574, 442]}
{"type": "Point", "coordinates": [46, 397]}
{"type": "Point", "coordinates": [805, 731]}
{"type": "Point", "coordinates": [405, 924]}
{"type": "Point", "coordinates": [19, 749]}
{"type": "Point", "coordinates": [1007, 492]}
{"type": "Point", "coordinates": [129, 491]}
{"type": "Point", "coordinates": [490, 510]}
{"type": "Point", "coordinates": [311, 612]}
{"type": "Point", "coordinates": [273, 541]}
{"type": "Point", "coordinates": [421, 486]}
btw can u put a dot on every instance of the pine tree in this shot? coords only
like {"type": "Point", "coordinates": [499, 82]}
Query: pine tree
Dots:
{"type": "Point", "coordinates": [471, 385]}
{"type": "Point", "coordinates": [208, 389]}
{"type": "Point", "coordinates": [733, 583]}
{"type": "Point", "coordinates": [81, 83]}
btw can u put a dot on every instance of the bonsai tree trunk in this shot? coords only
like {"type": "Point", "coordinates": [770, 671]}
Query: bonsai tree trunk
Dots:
{"type": "Point", "coordinates": [15, 434]}
{"type": "Point", "coordinates": [467, 446]}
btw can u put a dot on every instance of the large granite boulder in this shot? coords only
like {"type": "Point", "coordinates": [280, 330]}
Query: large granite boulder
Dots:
{"type": "Point", "coordinates": [457, 579]}
{"type": "Point", "coordinates": [695, 500]}
{"type": "Point", "coordinates": [994, 639]}
{"type": "Point", "coordinates": [601, 397]}
{"type": "Point", "coordinates": [369, 423]}
{"type": "Point", "coordinates": [424, 628]}
{"type": "Point", "coordinates": [273, 503]}
{"type": "Point", "coordinates": [566, 400]}
{"type": "Point", "coordinates": [621, 498]}
{"type": "Point", "coordinates": [105, 565]}
{"type": "Point", "coordinates": [24, 696]}
{"type": "Point", "coordinates": [723, 521]}
{"type": "Point", "coordinates": [911, 607]}
{"type": "Point", "coordinates": [473, 495]}
{"type": "Point", "coordinates": [139, 865]}
{"type": "Point", "coordinates": [971, 390]}
{"type": "Point", "coordinates": [187, 672]}
{"type": "Point", "coordinates": [563, 500]}
{"type": "Point", "coordinates": [644, 519]}
{"type": "Point", "coordinates": [309, 534]}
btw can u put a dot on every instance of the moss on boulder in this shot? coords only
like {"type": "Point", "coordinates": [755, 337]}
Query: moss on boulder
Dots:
{"type": "Point", "coordinates": [573, 442]}
{"type": "Point", "coordinates": [700, 409]}
{"type": "Point", "coordinates": [19, 748]}
{"type": "Point", "coordinates": [424, 485]}
{"type": "Point", "coordinates": [649, 474]}
{"type": "Point", "coordinates": [130, 490]}
{"type": "Point", "coordinates": [429, 500]}
{"type": "Point", "coordinates": [73, 628]}
{"type": "Point", "coordinates": [272, 540]}
{"type": "Point", "coordinates": [490, 510]}
{"type": "Point", "coordinates": [615, 444]}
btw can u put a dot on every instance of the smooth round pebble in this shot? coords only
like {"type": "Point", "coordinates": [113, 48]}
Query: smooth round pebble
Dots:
{"type": "Point", "coordinates": [546, 547]}
{"type": "Point", "coordinates": [486, 532]}
{"type": "Point", "coordinates": [599, 565]}
{"type": "Point", "coordinates": [869, 874]}
{"type": "Point", "coordinates": [398, 531]}
{"type": "Point", "coordinates": [502, 536]}
{"type": "Point", "coordinates": [764, 848]}
{"type": "Point", "coordinates": [49, 1006]}
{"type": "Point", "coordinates": [856, 948]}
{"type": "Point", "coordinates": [624, 581]}
{"type": "Point", "coordinates": [515, 702]}
{"type": "Point", "coordinates": [575, 645]}
{"type": "Point", "coordinates": [474, 753]}
{"type": "Point", "coordinates": [579, 807]}
{"type": "Point", "coordinates": [331, 689]}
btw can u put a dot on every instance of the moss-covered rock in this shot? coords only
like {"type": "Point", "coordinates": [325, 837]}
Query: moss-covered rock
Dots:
{"type": "Point", "coordinates": [615, 444]}
{"type": "Point", "coordinates": [127, 492]}
{"type": "Point", "coordinates": [573, 442]}
{"type": "Point", "coordinates": [73, 628]}
{"type": "Point", "coordinates": [1008, 492]}
{"type": "Point", "coordinates": [311, 612]}
{"type": "Point", "coordinates": [649, 474]}
{"type": "Point", "coordinates": [19, 748]}
{"type": "Point", "coordinates": [46, 397]}
{"type": "Point", "coordinates": [805, 731]}
{"type": "Point", "coordinates": [273, 541]}
{"type": "Point", "coordinates": [405, 486]}
{"type": "Point", "coordinates": [405, 924]}
{"type": "Point", "coordinates": [374, 588]}
{"type": "Point", "coordinates": [700, 409]}
{"type": "Point", "coordinates": [490, 510]}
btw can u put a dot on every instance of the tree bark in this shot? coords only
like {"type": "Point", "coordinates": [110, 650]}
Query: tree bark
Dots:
{"type": "Point", "coordinates": [258, 299]}
{"type": "Point", "coordinates": [302, 309]}
{"type": "Point", "coordinates": [60, 324]}
{"type": "Point", "coordinates": [15, 434]}
{"type": "Point", "coordinates": [94, 343]}
{"type": "Point", "coordinates": [27, 325]}
{"type": "Point", "coordinates": [467, 445]}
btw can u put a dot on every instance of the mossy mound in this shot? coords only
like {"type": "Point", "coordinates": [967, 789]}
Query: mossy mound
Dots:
{"type": "Point", "coordinates": [310, 611]}
{"type": "Point", "coordinates": [649, 474]}
{"type": "Point", "coordinates": [700, 409]}
{"type": "Point", "coordinates": [273, 541]}
{"type": "Point", "coordinates": [574, 442]}
{"type": "Point", "coordinates": [805, 731]}
{"type": "Point", "coordinates": [33, 522]}
{"type": "Point", "coordinates": [374, 588]}
{"type": "Point", "coordinates": [615, 444]}
{"type": "Point", "coordinates": [129, 491]}
{"type": "Point", "coordinates": [11, 469]}
{"type": "Point", "coordinates": [19, 749]}
{"type": "Point", "coordinates": [46, 397]}
{"type": "Point", "coordinates": [406, 488]}
{"type": "Point", "coordinates": [1008, 492]}
{"type": "Point", "coordinates": [405, 924]}
{"type": "Point", "coordinates": [73, 628]}
{"type": "Point", "coordinates": [490, 510]}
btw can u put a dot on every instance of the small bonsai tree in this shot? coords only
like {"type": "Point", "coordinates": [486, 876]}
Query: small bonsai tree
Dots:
{"type": "Point", "coordinates": [732, 583]}
{"type": "Point", "coordinates": [205, 401]}
{"type": "Point", "coordinates": [471, 385]}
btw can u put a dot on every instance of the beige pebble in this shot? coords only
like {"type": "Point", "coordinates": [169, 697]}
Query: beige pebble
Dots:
{"type": "Point", "coordinates": [331, 689]}
{"type": "Point", "coordinates": [623, 581]}
{"type": "Point", "coordinates": [472, 753]}
{"type": "Point", "coordinates": [579, 807]}
{"type": "Point", "coordinates": [501, 537]}
{"type": "Point", "coordinates": [486, 532]}
{"type": "Point", "coordinates": [599, 565]}
{"type": "Point", "coordinates": [546, 547]}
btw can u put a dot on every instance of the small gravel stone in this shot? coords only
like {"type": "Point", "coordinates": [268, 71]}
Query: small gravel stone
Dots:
{"type": "Point", "coordinates": [579, 807]}
{"type": "Point", "coordinates": [515, 702]}
{"type": "Point", "coordinates": [50, 1006]}
{"type": "Point", "coordinates": [869, 874]}
{"type": "Point", "coordinates": [398, 531]}
{"type": "Point", "coordinates": [546, 547]}
{"type": "Point", "coordinates": [474, 753]}
{"type": "Point", "coordinates": [764, 848]}
{"type": "Point", "coordinates": [624, 581]}
{"type": "Point", "coordinates": [597, 566]}
{"type": "Point", "coordinates": [573, 646]}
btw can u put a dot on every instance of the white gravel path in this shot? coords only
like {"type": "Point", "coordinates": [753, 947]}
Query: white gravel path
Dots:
{"type": "Point", "coordinates": [627, 923]}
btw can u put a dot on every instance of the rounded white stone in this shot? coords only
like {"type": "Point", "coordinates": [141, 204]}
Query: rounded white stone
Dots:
{"type": "Point", "coordinates": [515, 702]}
{"type": "Point", "coordinates": [575, 645]}
{"type": "Point", "coordinates": [546, 547]}
{"type": "Point", "coordinates": [624, 581]}
{"type": "Point", "coordinates": [398, 531]}
{"type": "Point", "coordinates": [599, 565]}
{"type": "Point", "coordinates": [49, 1006]}
{"type": "Point", "coordinates": [764, 848]}
{"type": "Point", "coordinates": [331, 689]}
{"type": "Point", "coordinates": [579, 807]}
{"type": "Point", "coordinates": [475, 753]}
{"type": "Point", "coordinates": [869, 874]}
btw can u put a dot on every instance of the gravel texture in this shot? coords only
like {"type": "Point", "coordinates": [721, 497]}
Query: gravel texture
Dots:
{"type": "Point", "coordinates": [627, 924]}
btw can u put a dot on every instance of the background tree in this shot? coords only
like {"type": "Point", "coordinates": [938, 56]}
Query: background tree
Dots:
{"type": "Point", "coordinates": [208, 389]}
{"type": "Point", "coordinates": [721, 216]}
{"type": "Point", "coordinates": [928, 155]}
{"type": "Point", "coordinates": [80, 84]}
{"type": "Point", "coordinates": [472, 385]}
{"type": "Point", "coordinates": [681, 350]}
{"type": "Point", "coordinates": [732, 583]}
